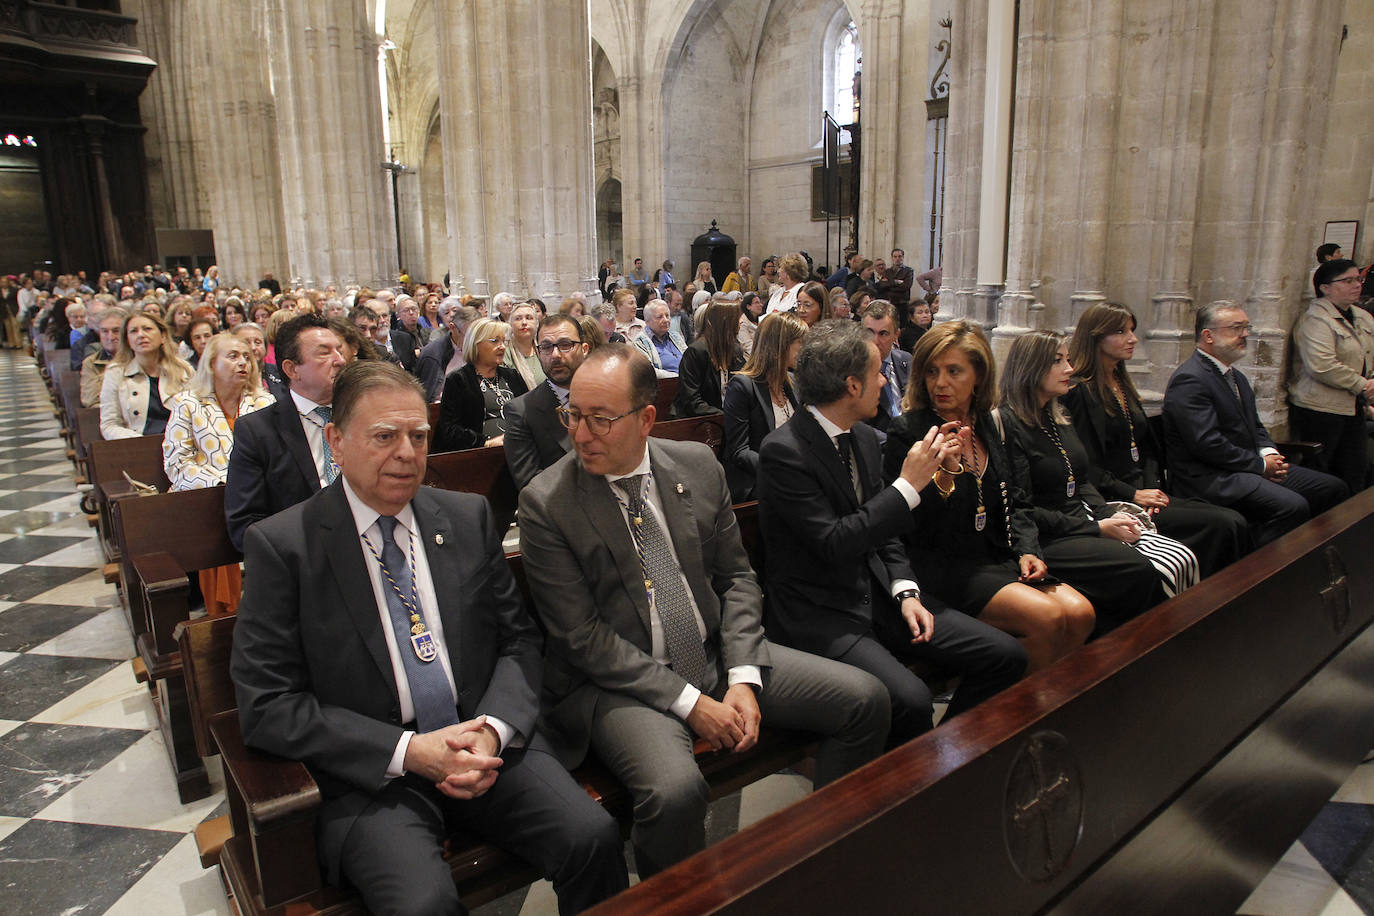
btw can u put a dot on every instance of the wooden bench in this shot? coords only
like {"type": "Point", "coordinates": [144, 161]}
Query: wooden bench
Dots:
{"type": "Point", "coordinates": [477, 470]}
{"type": "Point", "coordinates": [1162, 769]}
{"type": "Point", "coordinates": [667, 393]}
{"type": "Point", "coordinates": [267, 850]}
{"type": "Point", "coordinates": [166, 538]}
{"type": "Point", "coordinates": [108, 461]}
{"type": "Point", "coordinates": [709, 430]}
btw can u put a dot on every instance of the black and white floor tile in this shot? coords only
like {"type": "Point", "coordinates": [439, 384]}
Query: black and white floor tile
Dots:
{"type": "Point", "coordinates": [89, 817]}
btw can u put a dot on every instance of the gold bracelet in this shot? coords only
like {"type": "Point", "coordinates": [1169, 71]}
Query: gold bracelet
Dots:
{"type": "Point", "coordinates": [946, 490]}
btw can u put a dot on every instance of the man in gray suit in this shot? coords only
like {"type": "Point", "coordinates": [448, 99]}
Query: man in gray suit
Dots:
{"type": "Point", "coordinates": [653, 616]}
{"type": "Point", "coordinates": [535, 438]}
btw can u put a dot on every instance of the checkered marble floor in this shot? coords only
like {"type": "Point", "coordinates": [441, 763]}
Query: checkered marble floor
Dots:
{"type": "Point", "coordinates": [89, 817]}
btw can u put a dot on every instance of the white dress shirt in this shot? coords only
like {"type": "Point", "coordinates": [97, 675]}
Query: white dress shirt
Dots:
{"type": "Point", "coordinates": [740, 674]}
{"type": "Point", "coordinates": [314, 434]}
{"type": "Point", "coordinates": [407, 536]}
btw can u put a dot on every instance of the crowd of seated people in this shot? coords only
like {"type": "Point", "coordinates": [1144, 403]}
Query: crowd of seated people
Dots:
{"type": "Point", "coordinates": [917, 505]}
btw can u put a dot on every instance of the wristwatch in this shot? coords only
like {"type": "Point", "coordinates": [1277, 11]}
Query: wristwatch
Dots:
{"type": "Point", "coordinates": [907, 593]}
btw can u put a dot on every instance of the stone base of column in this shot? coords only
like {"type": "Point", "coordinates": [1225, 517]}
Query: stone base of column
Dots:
{"type": "Point", "coordinates": [1079, 303]}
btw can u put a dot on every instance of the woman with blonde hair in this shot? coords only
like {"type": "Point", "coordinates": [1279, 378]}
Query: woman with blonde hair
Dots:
{"type": "Point", "coordinates": [141, 378]}
{"type": "Point", "coordinates": [1104, 551]}
{"type": "Point", "coordinates": [573, 308]}
{"type": "Point", "coordinates": [759, 399]}
{"type": "Point", "coordinates": [703, 278]}
{"type": "Point", "coordinates": [1123, 455]}
{"type": "Point", "coordinates": [520, 355]}
{"type": "Point", "coordinates": [975, 544]}
{"type": "Point", "coordinates": [472, 411]}
{"type": "Point", "coordinates": [792, 273]}
{"type": "Point", "coordinates": [709, 362]}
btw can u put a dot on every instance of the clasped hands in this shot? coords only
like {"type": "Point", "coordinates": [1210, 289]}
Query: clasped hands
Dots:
{"type": "Point", "coordinates": [731, 722]}
{"type": "Point", "coordinates": [1275, 468]}
{"type": "Point", "coordinates": [459, 759]}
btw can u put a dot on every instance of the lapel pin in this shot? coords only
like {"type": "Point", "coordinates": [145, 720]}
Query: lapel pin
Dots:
{"type": "Point", "coordinates": [439, 539]}
{"type": "Point", "coordinates": [678, 487]}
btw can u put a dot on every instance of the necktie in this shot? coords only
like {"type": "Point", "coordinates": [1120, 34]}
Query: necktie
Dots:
{"type": "Point", "coordinates": [845, 443]}
{"type": "Point", "coordinates": [663, 580]}
{"type": "Point", "coordinates": [331, 470]}
{"type": "Point", "coordinates": [429, 689]}
{"type": "Point", "coordinates": [1230, 375]}
{"type": "Point", "coordinates": [894, 395]}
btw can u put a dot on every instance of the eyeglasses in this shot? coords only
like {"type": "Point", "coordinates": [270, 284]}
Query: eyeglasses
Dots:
{"type": "Point", "coordinates": [1238, 328]}
{"type": "Point", "coordinates": [1354, 279]}
{"type": "Point", "coordinates": [563, 346]}
{"type": "Point", "coordinates": [598, 424]}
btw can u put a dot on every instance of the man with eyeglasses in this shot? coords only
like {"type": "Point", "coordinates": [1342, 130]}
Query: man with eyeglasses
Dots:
{"type": "Point", "coordinates": [1217, 448]}
{"type": "Point", "coordinates": [653, 616]}
{"type": "Point", "coordinates": [535, 438]}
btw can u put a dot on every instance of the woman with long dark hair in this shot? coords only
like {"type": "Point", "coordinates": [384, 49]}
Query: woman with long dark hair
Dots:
{"type": "Point", "coordinates": [709, 362]}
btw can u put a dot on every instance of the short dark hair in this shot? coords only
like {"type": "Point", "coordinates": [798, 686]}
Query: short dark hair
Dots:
{"type": "Point", "coordinates": [559, 318]}
{"type": "Point", "coordinates": [899, 251]}
{"type": "Point", "coordinates": [364, 376]}
{"type": "Point", "coordinates": [878, 309]}
{"type": "Point", "coordinates": [1328, 271]}
{"type": "Point", "coordinates": [1324, 252]}
{"type": "Point", "coordinates": [287, 344]}
{"type": "Point", "coordinates": [362, 311]}
{"type": "Point", "coordinates": [643, 379]}
{"type": "Point", "coordinates": [1207, 315]}
{"type": "Point", "coordinates": [831, 353]}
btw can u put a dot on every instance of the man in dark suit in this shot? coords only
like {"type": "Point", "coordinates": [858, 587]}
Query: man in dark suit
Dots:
{"type": "Point", "coordinates": [280, 454]}
{"type": "Point", "coordinates": [1216, 447]}
{"type": "Point", "coordinates": [838, 580]}
{"type": "Point", "coordinates": [535, 438]}
{"type": "Point", "coordinates": [405, 333]}
{"type": "Point", "coordinates": [894, 285]}
{"type": "Point", "coordinates": [382, 641]}
{"type": "Point", "coordinates": [654, 617]}
{"type": "Point", "coordinates": [880, 320]}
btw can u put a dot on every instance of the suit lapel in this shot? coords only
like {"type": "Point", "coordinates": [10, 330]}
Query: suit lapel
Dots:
{"type": "Point", "coordinates": [681, 522]}
{"type": "Point", "coordinates": [765, 401]}
{"type": "Point", "coordinates": [825, 451]}
{"type": "Point", "coordinates": [289, 422]}
{"type": "Point", "coordinates": [340, 544]}
{"type": "Point", "coordinates": [543, 403]}
{"type": "Point", "coordinates": [440, 546]}
{"type": "Point", "coordinates": [603, 513]}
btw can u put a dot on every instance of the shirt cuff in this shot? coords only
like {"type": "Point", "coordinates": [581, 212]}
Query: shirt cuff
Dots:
{"type": "Point", "coordinates": [745, 674]}
{"type": "Point", "coordinates": [682, 706]}
{"type": "Point", "coordinates": [1266, 452]}
{"type": "Point", "coordinates": [396, 768]}
{"type": "Point", "coordinates": [506, 736]}
{"type": "Point", "coordinates": [902, 585]}
{"type": "Point", "coordinates": [913, 498]}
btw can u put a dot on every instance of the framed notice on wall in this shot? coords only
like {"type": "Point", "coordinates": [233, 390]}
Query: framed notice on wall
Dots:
{"type": "Point", "coordinates": [1343, 232]}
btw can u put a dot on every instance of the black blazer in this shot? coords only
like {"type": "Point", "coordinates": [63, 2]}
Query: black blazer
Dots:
{"type": "Point", "coordinates": [433, 363]}
{"type": "Point", "coordinates": [1039, 472]}
{"type": "Point", "coordinates": [1212, 442]}
{"type": "Point", "coordinates": [1114, 474]}
{"type": "Point", "coordinates": [534, 437]}
{"type": "Point", "coordinates": [310, 664]}
{"type": "Point", "coordinates": [462, 408]}
{"type": "Point", "coordinates": [748, 419]}
{"type": "Point", "coordinates": [270, 467]}
{"type": "Point", "coordinates": [698, 391]}
{"type": "Point", "coordinates": [823, 549]}
{"type": "Point", "coordinates": [407, 347]}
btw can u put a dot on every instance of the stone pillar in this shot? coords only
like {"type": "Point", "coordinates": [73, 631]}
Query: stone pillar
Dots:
{"type": "Point", "coordinates": [340, 227]}
{"type": "Point", "coordinates": [515, 103]}
{"type": "Point", "coordinates": [880, 32]}
{"type": "Point", "coordinates": [959, 296]}
{"type": "Point", "coordinates": [233, 122]}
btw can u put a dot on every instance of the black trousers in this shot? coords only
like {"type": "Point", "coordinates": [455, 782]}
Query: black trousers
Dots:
{"type": "Point", "coordinates": [1345, 453]}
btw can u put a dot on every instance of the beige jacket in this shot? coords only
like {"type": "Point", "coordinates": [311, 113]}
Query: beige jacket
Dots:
{"type": "Point", "coordinates": [124, 397]}
{"type": "Point", "coordinates": [1329, 357]}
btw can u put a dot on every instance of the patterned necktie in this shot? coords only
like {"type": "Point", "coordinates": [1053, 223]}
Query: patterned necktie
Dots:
{"type": "Point", "coordinates": [429, 690]}
{"type": "Point", "coordinates": [331, 470]}
{"type": "Point", "coordinates": [894, 394]}
{"type": "Point", "coordinates": [1230, 375]}
{"type": "Point", "coordinates": [845, 443]}
{"type": "Point", "coordinates": [663, 580]}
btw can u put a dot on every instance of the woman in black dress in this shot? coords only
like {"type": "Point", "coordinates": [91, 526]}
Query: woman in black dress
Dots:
{"type": "Point", "coordinates": [1108, 555]}
{"type": "Point", "coordinates": [709, 362]}
{"type": "Point", "coordinates": [1123, 456]}
{"type": "Point", "coordinates": [472, 408]}
{"type": "Point", "coordinates": [759, 399]}
{"type": "Point", "coordinates": [975, 545]}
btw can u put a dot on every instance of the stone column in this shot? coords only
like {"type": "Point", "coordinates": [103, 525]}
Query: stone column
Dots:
{"type": "Point", "coordinates": [964, 167]}
{"type": "Point", "coordinates": [234, 128]}
{"type": "Point", "coordinates": [515, 102]}
{"type": "Point", "coordinates": [340, 227]}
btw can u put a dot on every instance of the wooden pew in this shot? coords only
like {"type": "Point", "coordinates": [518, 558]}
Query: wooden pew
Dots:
{"type": "Point", "coordinates": [268, 857]}
{"type": "Point", "coordinates": [1162, 769]}
{"type": "Point", "coordinates": [667, 393]}
{"type": "Point", "coordinates": [477, 470]}
{"type": "Point", "coordinates": [166, 538]}
{"type": "Point", "coordinates": [108, 461]}
{"type": "Point", "coordinates": [709, 430]}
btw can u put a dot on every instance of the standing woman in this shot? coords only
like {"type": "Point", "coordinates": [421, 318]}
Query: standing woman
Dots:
{"type": "Point", "coordinates": [1108, 556]}
{"type": "Point", "coordinates": [520, 355]}
{"type": "Point", "coordinates": [141, 378]}
{"type": "Point", "coordinates": [813, 303]}
{"type": "Point", "coordinates": [975, 545]}
{"type": "Point", "coordinates": [709, 362]}
{"type": "Point", "coordinates": [759, 399]}
{"type": "Point", "coordinates": [211, 281]}
{"type": "Point", "coordinates": [200, 436]}
{"type": "Point", "coordinates": [1123, 456]}
{"type": "Point", "coordinates": [1332, 377]}
{"type": "Point", "coordinates": [472, 410]}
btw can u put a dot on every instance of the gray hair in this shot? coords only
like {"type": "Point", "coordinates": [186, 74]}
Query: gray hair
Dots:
{"type": "Point", "coordinates": [832, 352]}
{"type": "Point", "coordinates": [1207, 316]}
{"type": "Point", "coordinates": [501, 299]}
{"type": "Point", "coordinates": [655, 304]}
{"type": "Point", "coordinates": [602, 311]}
